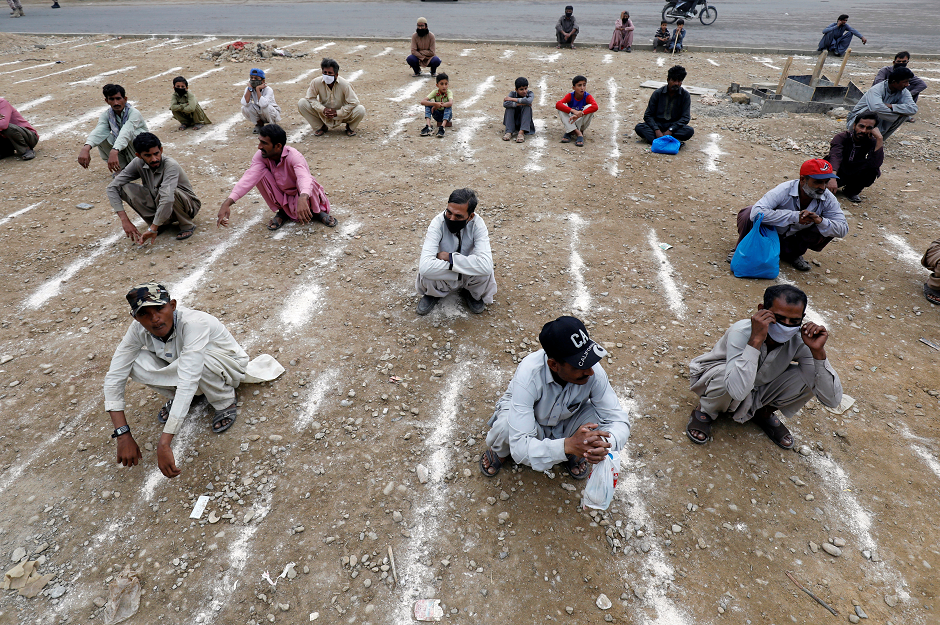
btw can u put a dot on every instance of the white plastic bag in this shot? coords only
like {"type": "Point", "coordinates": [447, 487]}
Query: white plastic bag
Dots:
{"type": "Point", "coordinates": [599, 490]}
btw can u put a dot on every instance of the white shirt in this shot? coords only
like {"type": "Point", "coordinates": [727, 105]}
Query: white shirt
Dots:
{"type": "Point", "coordinates": [470, 246]}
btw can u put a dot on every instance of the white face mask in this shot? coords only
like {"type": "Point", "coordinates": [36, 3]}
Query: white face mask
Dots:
{"type": "Point", "coordinates": [328, 79]}
{"type": "Point", "coordinates": [781, 333]}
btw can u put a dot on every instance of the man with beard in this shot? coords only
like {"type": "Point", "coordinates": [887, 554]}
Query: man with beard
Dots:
{"type": "Point", "coordinates": [566, 30]}
{"type": "Point", "coordinates": [916, 85]}
{"type": "Point", "coordinates": [772, 361]}
{"type": "Point", "coordinates": [423, 53]}
{"type": "Point", "coordinates": [669, 110]}
{"type": "Point", "coordinates": [115, 132]}
{"type": "Point", "coordinates": [283, 179]}
{"type": "Point", "coordinates": [890, 99]}
{"type": "Point", "coordinates": [837, 37]}
{"type": "Point", "coordinates": [856, 156]}
{"type": "Point", "coordinates": [164, 196]}
{"type": "Point", "coordinates": [185, 107]}
{"type": "Point", "coordinates": [456, 255]}
{"type": "Point", "coordinates": [559, 407]}
{"type": "Point", "coordinates": [804, 212]}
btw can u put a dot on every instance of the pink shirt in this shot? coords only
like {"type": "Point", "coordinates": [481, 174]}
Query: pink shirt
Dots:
{"type": "Point", "coordinates": [11, 116]}
{"type": "Point", "coordinates": [291, 176]}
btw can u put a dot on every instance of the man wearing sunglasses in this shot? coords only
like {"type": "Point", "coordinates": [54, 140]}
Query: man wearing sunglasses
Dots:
{"type": "Point", "coordinates": [772, 361]}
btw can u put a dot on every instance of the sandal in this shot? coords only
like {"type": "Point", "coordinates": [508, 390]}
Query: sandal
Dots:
{"type": "Point", "coordinates": [164, 413]}
{"type": "Point", "coordinates": [520, 138]}
{"type": "Point", "coordinates": [350, 132]}
{"type": "Point", "coordinates": [495, 462]}
{"type": "Point", "coordinates": [577, 467]}
{"type": "Point", "coordinates": [279, 219]}
{"type": "Point", "coordinates": [183, 127]}
{"type": "Point", "coordinates": [579, 142]}
{"type": "Point", "coordinates": [229, 413]}
{"type": "Point", "coordinates": [197, 127]}
{"type": "Point", "coordinates": [701, 423]}
{"type": "Point", "coordinates": [185, 234]}
{"type": "Point", "coordinates": [507, 136]}
{"type": "Point", "coordinates": [319, 132]}
{"type": "Point", "coordinates": [328, 220]}
{"type": "Point", "coordinates": [932, 295]}
{"type": "Point", "coordinates": [768, 421]}
{"type": "Point", "coordinates": [566, 138]}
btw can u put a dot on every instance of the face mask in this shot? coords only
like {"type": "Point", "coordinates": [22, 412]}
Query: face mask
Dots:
{"type": "Point", "coordinates": [328, 79]}
{"type": "Point", "coordinates": [455, 226]}
{"type": "Point", "coordinates": [781, 333]}
{"type": "Point", "coordinates": [254, 83]}
{"type": "Point", "coordinates": [180, 92]}
{"type": "Point", "coordinates": [813, 193]}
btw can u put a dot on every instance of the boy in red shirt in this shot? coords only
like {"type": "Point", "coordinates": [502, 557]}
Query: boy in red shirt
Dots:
{"type": "Point", "coordinates": [575, 111]}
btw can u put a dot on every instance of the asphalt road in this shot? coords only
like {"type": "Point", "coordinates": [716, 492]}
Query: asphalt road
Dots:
{"type": "Point", "coordinates": [888, 26]}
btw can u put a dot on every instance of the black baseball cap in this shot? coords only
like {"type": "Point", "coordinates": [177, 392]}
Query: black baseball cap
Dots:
{"type": "Point", "coordinates": [567, 339]}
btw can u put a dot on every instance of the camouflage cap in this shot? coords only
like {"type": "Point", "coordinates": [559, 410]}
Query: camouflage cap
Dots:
{"type": "Point", "coordinates": [150, 294]}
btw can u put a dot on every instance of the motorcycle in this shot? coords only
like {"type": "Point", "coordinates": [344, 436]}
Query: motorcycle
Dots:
{"type": "Point", "coordinates": [707, 13]}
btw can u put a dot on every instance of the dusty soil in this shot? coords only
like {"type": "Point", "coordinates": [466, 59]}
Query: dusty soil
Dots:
{"type": "Point", "coordinates": [320, 467]}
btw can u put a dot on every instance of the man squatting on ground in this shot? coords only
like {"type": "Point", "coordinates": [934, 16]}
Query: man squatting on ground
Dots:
{"type": "Point", "coordinates": [804, 212]}
{"type": "Point", "coordinates": [931, 261]}
{"type": "Point", "coordinates": [456, 255]}
{"type": "Point", "coordinates": [331, 101]}
{"type": "Point", "coordinates": [185, 107]}
{"type": "Point", "coordinates": [165, 194]}
{"type": "Point", "coordinates": [17, 136]}
{"type": "Point", "coordinates": [258, 105]}
{"type": "Point", "coordinates": [559, 407]}
{"type": "Point", "coordinates": [669, 110]}
{"type": "Point", "coordinates": [518, 115]}
{"type": "Point", "coordinates": [576, 110]}
{"type": "Point", "coordinates": [566, 30]}
{"type": "Point", "coordinates": [837, 37]}
{"type": "Point", "coordinates": [177, 352]}
{"type": "Point", "coordinates": [283, 179]}
{"type": "Point", "coordinates": [856, 156]}
{"type": "Point", "coordinates": [115, 132]}
{"type": "Point", "coordinates": [916, 85]}
{"type": "Point", "coordinates": [890, 99]}
{"type": "Point", "coordinates": [750, 372]}
{"type": "Point", "coordinates": [423, 49]}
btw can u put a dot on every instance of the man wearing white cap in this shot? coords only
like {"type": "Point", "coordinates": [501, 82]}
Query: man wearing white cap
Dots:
{"type": "Point", "coordinates": [559, 407]}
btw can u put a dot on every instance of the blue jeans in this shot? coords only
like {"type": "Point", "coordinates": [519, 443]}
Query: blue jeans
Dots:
{"type": "Point", "coordinates": [438, 115]}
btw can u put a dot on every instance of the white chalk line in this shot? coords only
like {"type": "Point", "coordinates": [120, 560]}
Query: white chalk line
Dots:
{"type": "Point", "coordinates": [64, 71]}
{"type": "Point", "coordinates": [302, 304]}
{"type": "Point", "coordinates": [18, 213]}
{"type": "Point", "coordinates": [298, 78]}
{"type": "Point", "coordinates": [220, 130]}
{"type": "Point", "coordinates": [714, 62]}
{"type": "Point", "coordinates": [98, 77]}
{"type": "Point", "coordinates": [608, 58]}
{"type": "Point", "coordinates": [660, 61]}
{"type": "Point", "coordinates": [10, 63]}
{"type": "Point", "coordinates": [165, 43]}
{"type": "Point", "coordinates": [414, 577]}
{"type": "Point", "coordinates": [198, 43]}
{"type": "Point", "coordinates": [357, 49]}
{"type": "Point", "coordinates": [204, 74]}
{"type": "Point", "coordinates": [765, 61]}
{"type": "Point", "coordinates": [415, 112]}
{"type": "Point", "coordinates": [543, 90]}
{"type": "Point", "coordinates": [356, 74]}
{"type": "Point", "coordinates": [67, 126]}
{"type": "Point", "coordinates": [467, 51]}
{"type": "Point", "coordinates": [187, 285]}
{"type": "Point", "coordinates": [480, 91]}
{"type": "Point", "coordinates": [295, 43]}
{"type": "Point", "coordinates": [713, 152]}
{"type": "Point", "coordinates": [465, 133]}
{"type": "Point", "coordinates": [26, 69]}
{"type": "Point", "coordinates": [51, 287]}
{"type": "Point", "coordinates": [921, 451]}
{"type": "Point", "coordinates": [130, 43]}
{"type": "Point", "coordinates": [612, 162]}
{"type": "Point", "coordinates": [323, 47]}
{"type": "Point", "coordinates": [582, 299]}
{"type": "Point", "coordinates": [384, 52]}
{"type": "Point", "coordinates": [538, 142]}
{"type": "Point", "coordinates": [172, 70]}
{"type": "Point", "coordinates": [409, 91]}
{"type": "Point", "coordinates": [91, 43]}
{"type": "Point", "coordinates": [33, 103]}
{"type": "Point", "coordinates": [318, 390]}
{"type": "Point", "coordinates": [507, 54]}
{"type": "Point", "coordinates": [905, 252]}
{"type": "Point", "coordinates": [666, 281]}
{"type": "Point", "coordinates": [547, 58]}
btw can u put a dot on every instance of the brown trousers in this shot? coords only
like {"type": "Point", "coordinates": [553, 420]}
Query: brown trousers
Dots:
{"type": "Point", "coordinates": [17, 140]}
{"type": "Point", "coordinates": [185, 206]}
{"type": "Point", "coordinates": [791, 247]}
{"type": "Point", "coordinates": [931, 261]}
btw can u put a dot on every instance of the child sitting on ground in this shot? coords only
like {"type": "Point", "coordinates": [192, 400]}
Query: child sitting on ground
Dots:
{"type": "Point", "coordinates": [438, 106]}
{"type": "Point", "coordinates": [518, 115]}
{"type": "Point", "coordinates": [575, 111]}
{"type": "Point", "coordinates": [662, 37]}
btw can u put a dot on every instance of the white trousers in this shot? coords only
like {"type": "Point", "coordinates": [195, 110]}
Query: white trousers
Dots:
{"type": "Point", "coordinates": [164, 378]}
{"type": "Point", "coordinates": [270, 114]}
{"type": "Point", "coordinates": [480, 287]}
{"type": "Point", "coordinates": [581, 123]}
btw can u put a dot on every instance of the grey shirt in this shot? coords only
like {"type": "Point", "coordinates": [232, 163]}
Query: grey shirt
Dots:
{"type": "Point", "coordinates": [470, 248]}
{"type": "Point", "coordinates": [162, 183]}
{"type": "Point", "coordinates": [781, 209]}
{"type": "Point", "coordinates": [877, 99]}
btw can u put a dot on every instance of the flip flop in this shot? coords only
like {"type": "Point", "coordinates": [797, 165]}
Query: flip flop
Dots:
{"type": "Point", "coordinates": [164, 413]}
{"type": "Point", "coordinates": [183, 127]}
{"type": "Point", "coordinates": [197, 127]}
{"type": "Point", "coordinates": [932, 295]}
{"type": "Point", "coordinates": [494, 460]}
{"type": "Point", "coordinates": [350, 132]}
{"type": "Point", "coordinates": [580, 464]}
{"type": "Point", "coordinates": [701, 423]}
{"type": "Point", "coordinates": [185, 234]}
{"type": "Point", "coordinates": [520, 139]}
{"type": "Point", "coordinates": [319, 132]}
{"type": "Point", "coordinates": [220, 415]}
{"type": "Point", "coordinates": [507, 136]}
{"type": "Point", "coordinates": [566, 138]}
{"type": "Point", "coordinates": [327, 220]}
{"type": "Point", "coordinates": [276, 222]}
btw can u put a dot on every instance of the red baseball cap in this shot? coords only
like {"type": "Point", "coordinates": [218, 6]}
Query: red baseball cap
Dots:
{"type": "Point", "coordinates": [818, 169]}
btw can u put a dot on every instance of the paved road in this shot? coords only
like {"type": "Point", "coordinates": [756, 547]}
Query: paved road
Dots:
{"type": "Point", "coordinates": [889, 26]}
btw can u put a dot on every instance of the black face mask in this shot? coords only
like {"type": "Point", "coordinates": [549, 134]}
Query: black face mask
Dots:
{"type": "Point", "coordinates": [455, 226]}
{"type": "Point", "coordinates": [180, 92]}
{"type": "Point", "coordinates": [422, 31]}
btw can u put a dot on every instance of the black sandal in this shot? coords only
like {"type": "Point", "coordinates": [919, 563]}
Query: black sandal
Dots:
{"type": "Point", "coordinates": [326, 219]}
{"type": "Point", "coordinates": [577, 463]}
{"type": "Point", "coordinates": [495, 461]}
{"type": "Point", "coordinates": [229, 413]}
{"type": "Point", "coordinates": [773, 427]}
{"type": "Point", "coordinates": [701, 423]}
{"type": "Point", "coordinates": [277, 221]}
{"type": "Point", "coordinates": [164, 413]}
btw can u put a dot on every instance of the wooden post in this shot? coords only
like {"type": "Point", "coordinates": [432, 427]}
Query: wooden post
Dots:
{"type": "Point", "coordinates": [845, 59]}
{"type": "Point", "coordinates": [783, 75]}
{"type": "Point", "coordinates": [819, 67]}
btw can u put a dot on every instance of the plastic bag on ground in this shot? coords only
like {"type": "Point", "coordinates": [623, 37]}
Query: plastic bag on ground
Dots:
{"type": "Point", "coordinates": [123, 598]}
{"type": "Point", "coordinates": [601, 483]}
{"type": "Point", "coordinates": [666, 144]}
{"type": "Point", "coordinates": [758, 253]}
{"type": "Point", "coordinates": [264, 368]}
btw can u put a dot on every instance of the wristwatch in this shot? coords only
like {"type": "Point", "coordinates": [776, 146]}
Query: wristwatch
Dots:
{"type": "Point", "coordinates": [124, 429]}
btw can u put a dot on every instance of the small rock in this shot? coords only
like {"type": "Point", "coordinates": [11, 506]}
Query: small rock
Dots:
{"type": "Point", "coordinates": [831, 550]}
{"type": "Point", "coordinates": [18, 554]}
{"type": "Point", "coordinates": [740, 98]}
{"type": "Point", "coordinates": [84, 206]}
{"type": "Point", "coordinates": [99, 602]}
{"type": "Point", "coordinates": [396, 516]}
{"type": "Point", "coordinates": [422, 472]}
{"type": "Point", "coordinates": [314, 616]}
{"type": "Point", "coordinates": [284, 607]}
{"type": "Point", "coordinates": [813, 547]}
{"type": "Point", "coordinates": [569, 609]}
{"type": "Point", "coordinates": [810, 497]}
{"type": "Point", "coordinates": [838, 542]}
{"type": "Point", "coordinates": [275, 438]}
{"type": "Point", "coordinates": [603, 602]}
{"type": "Point", "coordinates": [860, 612]}
{"type": "Point", "coordinates": [797, 481]}
{"type": "Point", "coordinates": [213, 517]}
{"type": "Point", "coordinates": [804, 450]}
{"type": "Point", "coordinates": [503, 495]}
{"type": "Point", "coordinates": [57, 591]}
{"type": "Point", "coordinates": [367, 583]}
{"type": "Point", "coordinates": [853, 618]}
{"type": "Point", "coordinates": [676, 529]}
{"type": "Point", "coordinates": [891, 600]}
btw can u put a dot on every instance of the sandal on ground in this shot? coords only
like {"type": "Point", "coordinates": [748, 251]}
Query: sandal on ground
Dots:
{"type": "Point", "coordinates": [319, 132]}
{"type": "Point", "coordinates": [800, 264]}
{"type": "Point", "coordinates": [520, 138]}
{"type": "Point", "coordinates": [932, 295]}
{"type": "Point", "coordinates": [566, 138]}
{"type": "Point", "coordinates": [700, 423]}
{"type": "Point", "coordinates": [164, 413]}
{"type": "Point", "coordinates": [578, 467]}
{"type": "Point", "coordinates": [507, 136]}
{"type": "Point", "coordinates": [579, 142]}
{"type": "Point", "coordinates": [350, 132]}
{"type": "Point", "coordinates": [185, 234]}
{"type": "Point", "coordinates": [279, 219]}
{"type": "Point", "coordinates": [183, 127]}
{"type": "Point", "coordinates": [229, 413]}
{"type": "Point", "coordinates": [495, 462]}
{"type": "Point", "coordinates": [326, 219]}
{"type": "Point", "coordinates": [768, 421]}
{"type": "Point", "coordinates": [197, 127]}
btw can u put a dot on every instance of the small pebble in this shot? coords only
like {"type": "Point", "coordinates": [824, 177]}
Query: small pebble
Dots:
{"type": "Point", "coordinates": [603, 602]}
{"type": "Point", "coordinates": [831, 550]}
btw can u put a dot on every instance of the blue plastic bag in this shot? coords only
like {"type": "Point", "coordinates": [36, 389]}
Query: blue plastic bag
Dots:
{"type": "Point", "coordinates": [666, 144]}
{"type": "Point", "coordinates": [758, 254]}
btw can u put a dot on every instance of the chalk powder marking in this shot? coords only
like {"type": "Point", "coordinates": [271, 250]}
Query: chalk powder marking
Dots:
{"type": "Point", "coordinates": [204, 74]}
{"type": "Point", "coordinates": [543, 91]}
{"type": "Point", "coordinates": [548, 58]}
{"type": "Point", "coordinates": [323, 47]}
{"type": "Point", "coordinates": [296, 43]}
{"type": "Point", "coordinates": [921, 451]}
{"type": "Point", "coordinates": [165, 43]}
{"type": "Point", "coordinates": [102, 75]}
{"type": "Point", "coordinates": [26, 69]}
{"type": "Point", "coordinates": [507, 54]}
{"type": "Point", "coordinates": [582, 299]}
{"type": "Point", "coordinates": [713, 152]}
{"type": "Point", "coordinates": [219, 131]}
{"type": "Point", "coordinates": [407, 92]}
{"type": "Point", "coordinates": [10, 63]}
{"type": "Point", "coordinates": [468, 129]}
{"type": "Point", "coordinates": [51, 287]}
{"type": "Point", "coordinates": [64, 71]}
{"type": "Point", "coordinates": [198, 43]}
{"type": "Point", "coordinates": [673, 296]}
{"type": "Point", "coordinates": [414, 112]}
{"type": "Point", "coordinates": [481, 89]}
{"type": "Point", "coordinates": [415, 577]}
{"type": "Point", "coordinates": [169, 71]}
{"type": "Point", "coordinates": [905, 252]}
{"type": "Point", "coordinates": [611, 164]}
{"type": "Point", "coordinates": [130, 43]}
{"type": "Point", "coordinates": [82, 45]}
{"type": "Point", "coordinates": [660, 61]}
{"type": "Point", "coordinates": [713, 62]}
{"type": "Point", "coordinates": [357, 49]}
{"type": "Point", "coordinates": [537, 149]}
{"type": "Point", "coordinates": [765, 61]}
{"type": "Point", "coordinates": [467, 51]}
{"type": "Point", "coordinates": [317, 392]}
{"type": "Point", "coordinates": [297, 79]}
{"type": "Point", "coordinates": [18, 213]}
{"type": "Point", "coordinates": [384, 52]}
{"type": "Point", "coordinates": [33, 103]}
{"type": "Point", "coordinates": [78, 121]}
{"type": "Point", "coordinates": [608, 58]}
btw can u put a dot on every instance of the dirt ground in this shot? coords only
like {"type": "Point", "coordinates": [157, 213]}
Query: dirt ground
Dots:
{"type": "Point", "coordinates": [320, 470]}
